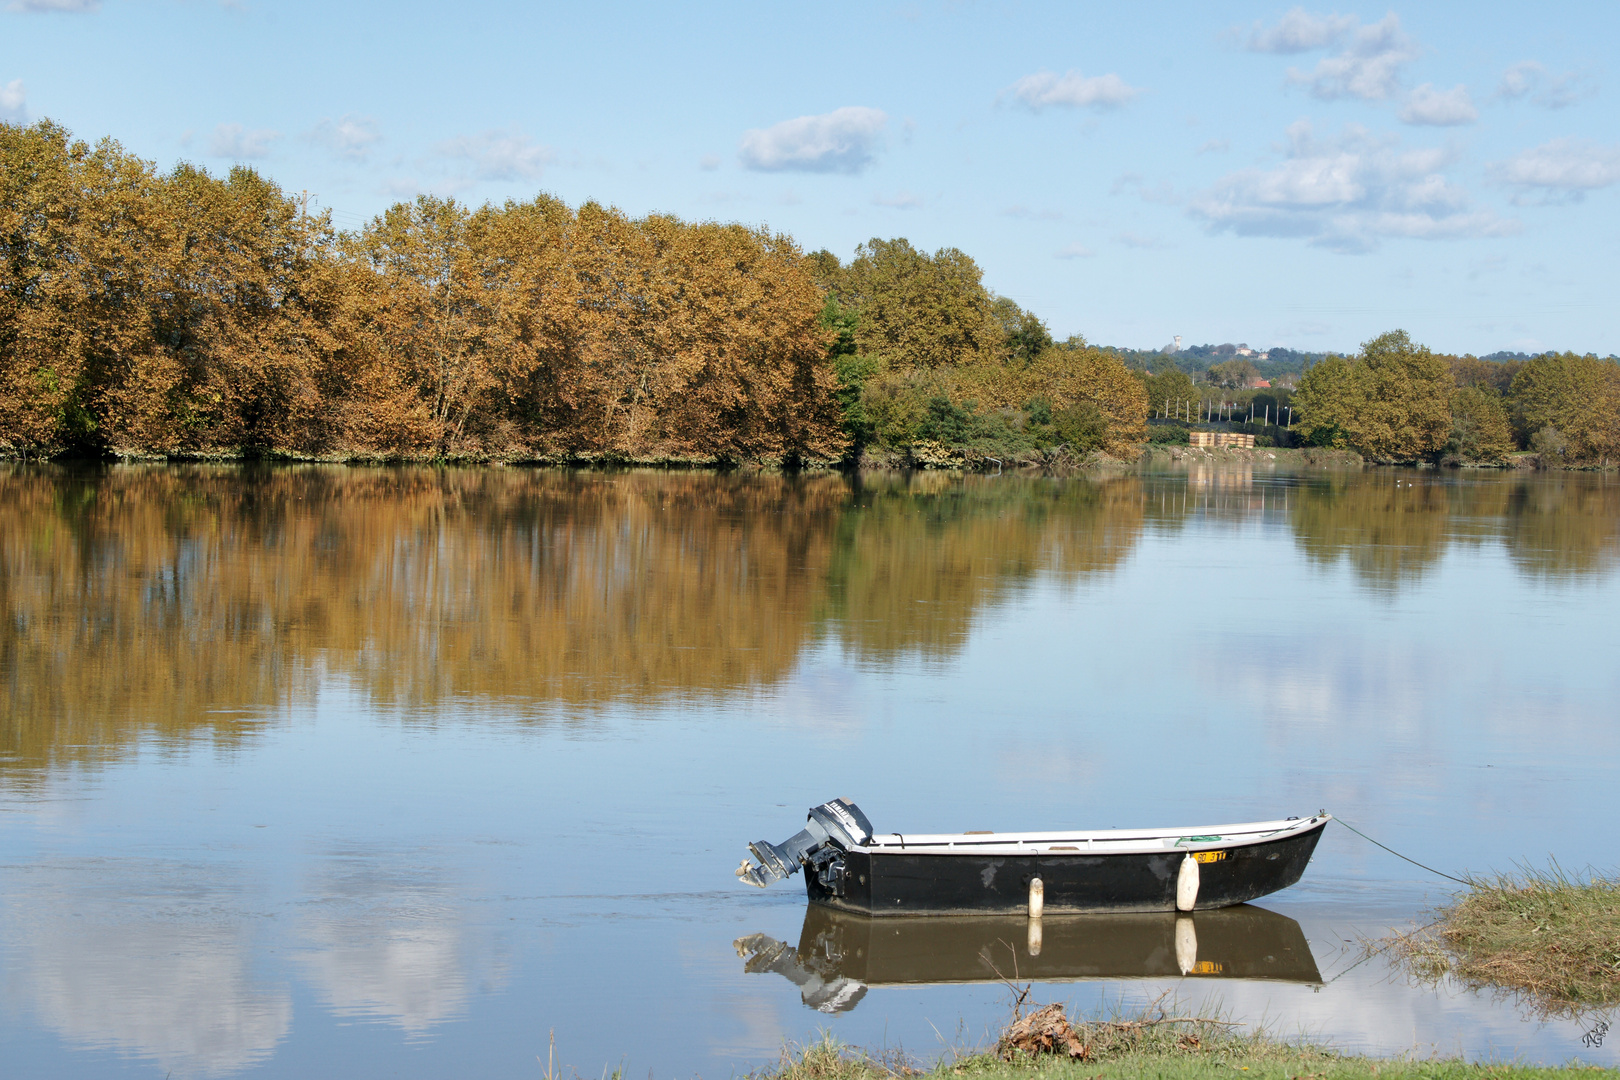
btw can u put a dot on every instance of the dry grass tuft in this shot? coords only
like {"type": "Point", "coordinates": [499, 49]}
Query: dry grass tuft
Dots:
{"type": "Point", "coordinates": [1541, 934]}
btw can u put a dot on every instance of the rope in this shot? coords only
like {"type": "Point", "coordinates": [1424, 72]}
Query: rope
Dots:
{"type": "Point", "coordinates": [1398, 855]}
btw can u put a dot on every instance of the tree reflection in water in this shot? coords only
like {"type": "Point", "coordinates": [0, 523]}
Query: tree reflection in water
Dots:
{"type": "Point", "coordinates": [162, 603]}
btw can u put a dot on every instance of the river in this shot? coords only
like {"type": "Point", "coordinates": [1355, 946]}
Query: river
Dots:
{"type": "Point", "coordinates": [399, 772]}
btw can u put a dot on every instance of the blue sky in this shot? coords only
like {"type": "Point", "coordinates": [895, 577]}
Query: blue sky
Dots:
{"type": "Point", "coordinates": [1267, 174]}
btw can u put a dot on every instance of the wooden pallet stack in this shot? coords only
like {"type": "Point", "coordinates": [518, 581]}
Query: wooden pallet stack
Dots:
{"type": "Point", "coordinates": [1212, 439]}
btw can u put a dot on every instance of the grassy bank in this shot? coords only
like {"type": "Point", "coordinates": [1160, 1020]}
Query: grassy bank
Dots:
{"type": "Point", "coordinates": [1158, 1046]}
{"type": "Point", "coordinates": [1542, 934]}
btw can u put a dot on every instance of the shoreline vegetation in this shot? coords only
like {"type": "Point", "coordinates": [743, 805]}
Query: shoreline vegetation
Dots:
{"type": "Point", "coordinates": [184, 316]}
{"type": "Point", "coordinates": [1546, 937]}
{"type": "Point", "coordinates": [1152, 1044]}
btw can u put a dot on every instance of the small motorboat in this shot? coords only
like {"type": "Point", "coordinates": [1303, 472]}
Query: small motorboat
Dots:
{"type": "Point", "coordinates": [849, 867]}
{"type": "Point", "coordinates": [840, 955]}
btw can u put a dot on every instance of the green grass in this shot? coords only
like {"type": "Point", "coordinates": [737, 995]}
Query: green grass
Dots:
{"type": "Point", "coordinates": [1543, 935]}
{"type": "Point", "coordinates": [1154, 1045]}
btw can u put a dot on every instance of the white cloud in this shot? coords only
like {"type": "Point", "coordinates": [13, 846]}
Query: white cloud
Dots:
{"type": "Point", "coordinates": [13, 100]}
{"type": "Point", "coordinates": [1368, 66]}
{"type": "Point", "coordinates": [1076, 251]}
{"type": "Point", "coordinates": [1562, 165]}
{"type": "Point", "coordinates": [1299, 31]}
{"type": "Point", "coordinates": [1072, 90]}
{"type": "Point", "coordinates": [54, 5]}
{"type": "Point", "coordinates": [352, 137]}
{"type": "Point", "coordinates": [1347, 194]}
{"type": "Point", "coordinates": [1137, 240]}
{"type": "Point", "coordinates": [845, 140]}
{"type": "Point", "coordinates": [499, 155]}
{"type": "Point", "coordinates": [709, 162]}
{"type": "Point", "coordinates": [1439, 108]}
{"type": "Point", "coordinates": [1161, 192]}
{"type": "Point", "coordinates": [1215, 146]}
{"type": "Point", "coordinates": [1021, 211]}
{"type": "Point", "coordinates": [235, 141]}
{"type": "Point", "coordinates": [1520, 79]}
{"type": "Point", "coordinates": [1530, 79]}
{"type": "Point", "coordinates": [903, 200]}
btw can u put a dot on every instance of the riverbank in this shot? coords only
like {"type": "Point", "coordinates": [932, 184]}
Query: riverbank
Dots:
{"type": "Point", "coordinates": [1153, 1046]}
{"type": "Point", "coordinates": [1542, 935]}
{"type": "Point", "coordinates": [923, 456]}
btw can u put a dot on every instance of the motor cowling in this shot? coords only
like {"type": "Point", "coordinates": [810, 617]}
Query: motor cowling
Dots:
{"type": "Point", "coordinates": [838, 824]}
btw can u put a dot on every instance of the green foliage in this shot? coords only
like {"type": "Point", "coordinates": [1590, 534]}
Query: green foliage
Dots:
{"type": "Point", "coordinates": [917, 310]}
{"type": "Point", "coordinates": [852, 373]}
{"type": "Point", "coordinates": [1233, 374]}
{"type": "Point", "coordinates": [1025, 336]}
{"type": "Point", "coordinates": [1325, 404]}
{"type": "Point", "coordinates": [1579, 396]}
{"type": "Point", "coordinates": [1404, 390]}
{"type": "Point", "coordinates": [1169, 434]}
{"type": "Point", "coordinates": [1393, 403]}
{"type": "Point", "coordinates": [850, 370]}
{"type": "Point", "coordinates": [949, 423]}
{"type": "Point", "coordinates": [1550, 443]}
{"type": "Point", "coordinates": [1170, 384]}
{"type": "Point", "coordinates": [1480, 431]}
{"type": "Point", "coordinates": [1083, 427]}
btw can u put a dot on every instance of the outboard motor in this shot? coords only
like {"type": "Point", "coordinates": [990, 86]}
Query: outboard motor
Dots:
{"type": "Point", "coordinates": [833, 828]}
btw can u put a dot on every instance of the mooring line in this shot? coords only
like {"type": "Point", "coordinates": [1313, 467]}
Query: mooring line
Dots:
{"type": "Point", "coordinates": [1398, 855]}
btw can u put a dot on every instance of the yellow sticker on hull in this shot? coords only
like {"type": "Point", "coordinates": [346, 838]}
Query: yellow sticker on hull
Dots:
{"type": "Point", "coordinates": [1209, 856]}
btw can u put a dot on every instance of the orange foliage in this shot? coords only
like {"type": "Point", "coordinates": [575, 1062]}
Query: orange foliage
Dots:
{"type": "Point", "coordinates": [183, 313]}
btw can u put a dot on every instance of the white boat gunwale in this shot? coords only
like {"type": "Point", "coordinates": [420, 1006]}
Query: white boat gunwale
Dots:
{"type": "Point", "coordinates": [1094, 842]}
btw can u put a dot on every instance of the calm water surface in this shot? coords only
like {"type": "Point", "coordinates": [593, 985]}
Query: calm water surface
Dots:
{"type": "Point", "coordinates": [395, 772]}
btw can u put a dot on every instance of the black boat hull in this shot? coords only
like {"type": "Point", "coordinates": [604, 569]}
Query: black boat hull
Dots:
{"type": "Point", "coordinates": [893, 882]}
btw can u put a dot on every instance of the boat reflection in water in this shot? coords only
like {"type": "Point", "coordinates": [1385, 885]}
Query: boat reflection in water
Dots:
{"type": "Point", "coordinates": [841, 954]}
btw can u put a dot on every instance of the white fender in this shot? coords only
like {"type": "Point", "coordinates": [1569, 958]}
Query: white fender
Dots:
{"type": "Point", "coordinates": [1187, 884]}
{"type": "Point", "coordinates": [1037, 898]}
{"type": "Point", "coordinates": [1034, 937]}
{"type": "Point", "coordinates": [1186, 944]}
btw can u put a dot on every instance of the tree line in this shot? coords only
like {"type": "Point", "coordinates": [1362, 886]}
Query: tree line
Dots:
{"type": "Point", "coordinates": [180, 313]}
{"type": "Point", "coordinates": [186, 313]}
{"type": "Point", "coordinates": [1398, 401]}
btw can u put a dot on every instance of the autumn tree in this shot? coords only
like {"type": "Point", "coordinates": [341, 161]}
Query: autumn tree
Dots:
{"type": "Point", "coordinates": [415, 328]}
{"type": "Point", "coordinates": [1393, 403]}
{"type": "Point", "coordinates": [1024, 336]}
{"type": "Point", "coordinates": [1570, 399]}
{"type": "Point", "coordinates": [42, 344]}
{"type": "Point", "coordinates": [1326, 403]}
{"type": "Point", "coordinates": [1480, 431]}
{"type": "Point", "coordinates": [1403, 392]}
{"type": "Point", "coordinates": [1472, 371]}
{"type": "Point", "coordinates": [919, 311]}
{"type": "Point", "coordinates": [1087, 384]}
